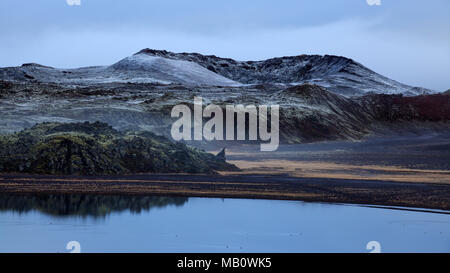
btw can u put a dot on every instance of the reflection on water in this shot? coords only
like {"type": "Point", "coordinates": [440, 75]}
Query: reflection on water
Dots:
{"type": "Point", "coordinates": [84, 205]}
{"type": "Point", "coordinates": [46, 223]}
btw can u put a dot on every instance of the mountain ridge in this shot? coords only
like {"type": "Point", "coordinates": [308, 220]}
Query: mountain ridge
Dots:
{"type": "Point", "coordinates": [338, 74]}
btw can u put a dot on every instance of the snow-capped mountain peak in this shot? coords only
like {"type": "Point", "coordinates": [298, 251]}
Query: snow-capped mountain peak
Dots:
{"type": "Point", "coordinates": [339, 75]}
{"type": "Point", "coordinates": [169, 70]}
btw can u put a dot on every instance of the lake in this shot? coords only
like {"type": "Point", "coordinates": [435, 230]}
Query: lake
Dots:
{"type": "Point", "coordinates": [46, 223]}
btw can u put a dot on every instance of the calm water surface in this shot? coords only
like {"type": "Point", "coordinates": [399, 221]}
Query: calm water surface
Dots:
{"type": "Point", "coordinates": [46, 223]}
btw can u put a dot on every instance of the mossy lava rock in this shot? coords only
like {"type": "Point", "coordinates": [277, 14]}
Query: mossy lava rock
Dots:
{"type": "Point", "coordinates": [96, 149]}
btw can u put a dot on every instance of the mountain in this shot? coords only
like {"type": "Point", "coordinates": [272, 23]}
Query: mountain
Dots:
{"type": "Point", "coordinates": [339, 75]}
{"type": "Point", "coordinates": [320, 97]}
{"type": "Point", "coordinates": [116, 119]}
{"type": "Point", "coordinates": [168, 70]}
{"type": "Point", "coordinates": [308, 112]}
{"type": "Point", "coordinates": [139, 68]}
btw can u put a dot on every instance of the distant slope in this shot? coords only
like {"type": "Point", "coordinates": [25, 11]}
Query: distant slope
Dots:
{"type": "Point", "coordinates": [338, 74]}
{"type": "Point", "coordinates": [139, 68]}
{"type": "Point", "coordinates": [168, 70]}
{"type": "Point", "coordinates": [308, 112]}
{"type": "Point", "coordinates": [311, 113]}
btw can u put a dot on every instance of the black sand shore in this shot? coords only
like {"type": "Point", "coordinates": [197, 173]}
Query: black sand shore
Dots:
{"type": "Point", "coordinates": [368, 192]}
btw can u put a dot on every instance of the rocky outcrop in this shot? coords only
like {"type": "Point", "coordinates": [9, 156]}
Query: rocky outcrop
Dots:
{"type": "Point", "coordinates": [395, 108]}
{"type": "Point", "coordinates": [96, 149]}
{"type": "Point", "coordinates": [221, 154]}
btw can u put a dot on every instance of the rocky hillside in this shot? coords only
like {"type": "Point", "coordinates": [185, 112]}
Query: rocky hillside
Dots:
{"type": "Point", "coordinates": [96, 149]}
{"type": "Point", "coordinates": [312, 113]}
{"type": "Point", "coordinates": [308, 112]}
{"type": "Point", "coordinates": [339, 75]}
{"type": "Point", "coordinates": [167, 70]}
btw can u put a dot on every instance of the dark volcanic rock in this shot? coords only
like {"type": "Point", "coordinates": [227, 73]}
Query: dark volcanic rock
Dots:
{"type": "Point", "coordinates": [96, 148]}
{"type": "Point", "coordinates": [339, 74]}
{"type": "Point", "coordinates": [5, 85]}
{"type": "Point", "coordinates": [382, 107]}
{"type": "Point", "coordinates": [322, 115]}
{"type": "Point", "coordinates": [313, 94]}
{"type": "Point", "coordinates": [221, 154]}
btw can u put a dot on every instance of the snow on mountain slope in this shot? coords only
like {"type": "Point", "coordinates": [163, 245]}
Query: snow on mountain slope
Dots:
{"type": "Point", "coordinates": [338, 74]}
{"type": "Point", "coordinates": [135, 69]}
{"type": "Point", "coordinates": [169, 70]}
{"type": "Point", "coordinates": [46, 74]}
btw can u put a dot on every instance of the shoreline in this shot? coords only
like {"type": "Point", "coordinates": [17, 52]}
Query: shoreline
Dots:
{"type": "Point", "coordinates": [277, 187]}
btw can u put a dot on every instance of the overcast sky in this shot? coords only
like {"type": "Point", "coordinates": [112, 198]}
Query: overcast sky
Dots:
{"type": "Point", "coordinates": [406, 40]}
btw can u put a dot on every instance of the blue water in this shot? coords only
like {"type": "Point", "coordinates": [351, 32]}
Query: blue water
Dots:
{"type": "Point", "coordinates": [220, 225]}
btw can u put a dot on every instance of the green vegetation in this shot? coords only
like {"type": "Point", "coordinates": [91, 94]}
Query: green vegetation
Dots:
{"type": "Point", "coordinates": [96, 149]}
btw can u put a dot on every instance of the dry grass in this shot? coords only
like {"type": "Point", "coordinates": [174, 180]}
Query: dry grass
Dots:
{"type": "Point", "coordinates": [342, 171]}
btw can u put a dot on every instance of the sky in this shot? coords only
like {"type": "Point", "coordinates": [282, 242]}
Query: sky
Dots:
{"type": "Point", "coordinates": [406, 40]}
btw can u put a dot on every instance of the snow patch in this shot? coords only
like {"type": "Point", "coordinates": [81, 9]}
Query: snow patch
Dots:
{"type": "Point", "coordinates": [170, 70]}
